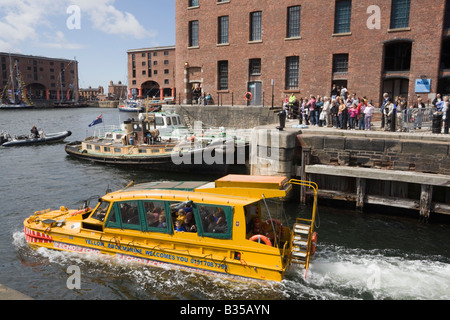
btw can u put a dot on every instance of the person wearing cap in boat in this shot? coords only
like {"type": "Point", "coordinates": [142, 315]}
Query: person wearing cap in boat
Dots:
{"type": "Point", "coordinates": [35, 132]}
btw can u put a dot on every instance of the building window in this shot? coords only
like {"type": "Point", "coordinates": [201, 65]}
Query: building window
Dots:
{"type": "Point", "coordinates": [166, 53]}
{"type": "Point", "coordinates": [255, 67]}
{"type": "Point", "coordinates": [292, 72]}
{"type": "Point", "coordinates": [340, 63]}
{"type": "Point", "coordinates": [342, 18]}
{"type": "Point", "coordinates": [293, 22]}
{"type": "Point", "coordinates": [256, 26]}
{"type": "Point", "coordinates": [193, 3]}
{"type": "Point", "coordinates": [397, 56]}
{"type": "Point", "coordinates": [222, 36]}
{"type": "Point", "coordinates": [222, 75]}
{"type": "Point", "coordinates": [193, 33]}
{"type": "Point", "coordinates": [166, 81]}
{"type": "Point", "coordinates": [447, 15]}
{"type": "Point", "coordinates": [400, 14]}
{"type": "Point", "coordinates": [166, 71]}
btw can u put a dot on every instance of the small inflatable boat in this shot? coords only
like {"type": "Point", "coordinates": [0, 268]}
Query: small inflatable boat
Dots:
{"type": "Point", "coordinates": [7, 141]}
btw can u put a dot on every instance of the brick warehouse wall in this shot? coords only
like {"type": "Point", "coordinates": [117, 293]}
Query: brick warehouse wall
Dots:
{"type": "Point", "coordinates": [315, 47]}
{"type": "Point", "coordinates": [42, 75]}
{"type": "Point", "coordinates": [154, 62]}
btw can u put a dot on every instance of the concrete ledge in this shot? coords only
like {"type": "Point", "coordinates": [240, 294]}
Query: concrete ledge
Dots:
{"type": "Point", "coordinates": [11, 294]}
{"type": "Point", "coordinates": [379, 174]}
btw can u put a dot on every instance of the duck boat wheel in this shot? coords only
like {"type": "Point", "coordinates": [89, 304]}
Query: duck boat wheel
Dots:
{"type": "Point", "coordinates": [224, 228]}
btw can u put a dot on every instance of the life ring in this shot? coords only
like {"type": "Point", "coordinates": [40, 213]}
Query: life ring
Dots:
{"type": "Point", "coordinates": [313, 243]}
{"type": "Point", "coordinates": [248, 96]}
{"type": "Point", "coordinates": [260, 237]}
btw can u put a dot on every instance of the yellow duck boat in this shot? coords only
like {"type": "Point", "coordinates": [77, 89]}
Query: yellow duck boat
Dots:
{"type": "Point", "coordinates": [214, 228]}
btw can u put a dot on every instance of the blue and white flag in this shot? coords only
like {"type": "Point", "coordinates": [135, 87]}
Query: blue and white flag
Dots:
{"type": "Point", "coordinates": [97, 121]}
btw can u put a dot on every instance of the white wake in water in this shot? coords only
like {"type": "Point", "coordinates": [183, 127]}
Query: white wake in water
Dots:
{"type": "Point", "coordinates": [336, 273]}
{"type": "Point", "coordinates": [340, 273]}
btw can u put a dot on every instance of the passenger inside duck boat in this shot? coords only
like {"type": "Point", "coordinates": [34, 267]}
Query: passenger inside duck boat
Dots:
{"type": "Point", "coordinates": [212, 221]}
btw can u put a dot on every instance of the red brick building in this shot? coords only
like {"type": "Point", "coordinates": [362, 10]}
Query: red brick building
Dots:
{"type": "Point", "coordinates": [151, 72]}
{"type": "Point", "coordinates": [44, 78]}
{"type": "Point", "coordinates": [230, 47]}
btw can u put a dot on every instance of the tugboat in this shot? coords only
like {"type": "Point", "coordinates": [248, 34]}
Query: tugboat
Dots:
{"type": "Point", "coordinates": [222, 228]}
{"type": "Point", "coordinates": [140, 143]}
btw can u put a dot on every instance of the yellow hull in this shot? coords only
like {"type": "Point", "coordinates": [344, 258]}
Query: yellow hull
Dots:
{"type": "Point", "coordinates": [212, 261]}
{"type": "Point", "coordinates": [234, 253]}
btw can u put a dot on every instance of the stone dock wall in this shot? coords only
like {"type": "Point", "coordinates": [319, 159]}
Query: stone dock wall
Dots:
{"type": "Point", "coordinates": [400, 170]}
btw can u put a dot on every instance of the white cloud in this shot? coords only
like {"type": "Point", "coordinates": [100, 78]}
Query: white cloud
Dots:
{"type": "Point", "coordinates": [107, 18]}
{"type": "Point", "coordinates": [31, 22]}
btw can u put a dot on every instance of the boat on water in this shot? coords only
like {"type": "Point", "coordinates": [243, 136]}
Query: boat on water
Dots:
{"type": "Point", "coordinates": [20, 106]}
{"type": "Point", "coordinates": [223, 228]}
{"type": "Point", "coordinates": [156, 141]}
{"type": "Point", "coordinates": [131, 106]}
{"type": "Point", "coordinates": [28, 140]}
{"type": "Point", "coordinates": [14, 95]}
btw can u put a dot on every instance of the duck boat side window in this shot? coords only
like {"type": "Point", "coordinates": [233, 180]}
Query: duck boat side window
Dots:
{"type": "Point", "coordinates": [216, 221]}
{"type": "Point", "coordinates": [154, 216]}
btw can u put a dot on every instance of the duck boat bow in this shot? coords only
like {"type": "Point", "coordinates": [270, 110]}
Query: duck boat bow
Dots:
{"type": "Point", "coordinates": [222, 228]}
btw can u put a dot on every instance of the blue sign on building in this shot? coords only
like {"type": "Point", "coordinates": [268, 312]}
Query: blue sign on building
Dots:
{"type": "Point", "coordinates": [423, 86]}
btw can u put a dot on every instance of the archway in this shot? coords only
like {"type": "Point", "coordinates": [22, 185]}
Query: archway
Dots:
{"type": "Point", "coordinates": [36, 91]}
{"type": "Point", "coordinates": [150, 89]}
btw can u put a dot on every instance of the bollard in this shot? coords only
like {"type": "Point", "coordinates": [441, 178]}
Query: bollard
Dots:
{"type": "Point", "coordinates": [436, 123]}
{"type": "Point", "coordinates": [446, 123]}
{"type": "Point", "coordinates": [282, 116]}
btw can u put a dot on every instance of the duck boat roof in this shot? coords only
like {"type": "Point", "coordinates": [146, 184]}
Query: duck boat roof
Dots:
{"type": "Point", "coordinates": [222, 228]}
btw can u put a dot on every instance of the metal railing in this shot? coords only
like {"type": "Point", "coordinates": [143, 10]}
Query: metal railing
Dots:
{"type": "Point", "coordinates": [416, 118]}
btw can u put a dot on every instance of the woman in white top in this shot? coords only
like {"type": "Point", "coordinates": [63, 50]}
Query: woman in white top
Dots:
{"type": "Point", "coordinates": [368, 111]}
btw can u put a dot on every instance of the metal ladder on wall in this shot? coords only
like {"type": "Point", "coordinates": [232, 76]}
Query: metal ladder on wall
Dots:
{"type": "Point", "coordinates": [303, 236]}
{"type": "Point", "coordinates": [187, 122]}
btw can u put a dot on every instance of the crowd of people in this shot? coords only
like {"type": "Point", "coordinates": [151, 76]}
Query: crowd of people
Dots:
{"type": "Point", "coordinates": [338, 111]}
{"type": "Point", "coordinates": [348, 111]}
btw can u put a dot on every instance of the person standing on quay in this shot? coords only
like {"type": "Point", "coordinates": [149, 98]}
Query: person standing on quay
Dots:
{"type": "Point", "coordinates": [389, 110]}
{"type": "Point", "coordinates": [383, 105]}
{"type": "Point", "coordinates": [445, 114]}
{"type": "Point", "coordinates": [368, 111]}
{"type": "Point", "coordinates": [312, 111]}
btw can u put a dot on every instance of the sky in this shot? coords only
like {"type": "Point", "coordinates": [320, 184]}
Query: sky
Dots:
{"type": "Point", "coordinates": [97, 33]}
